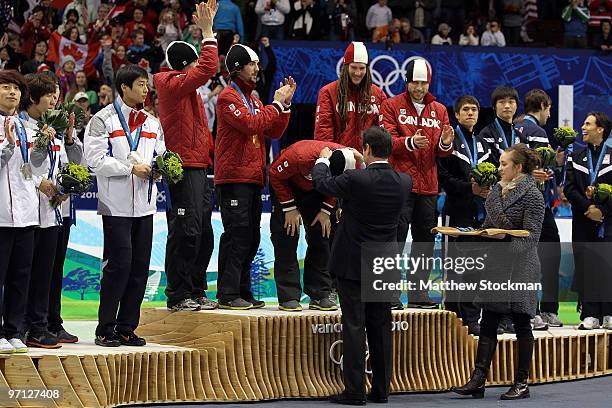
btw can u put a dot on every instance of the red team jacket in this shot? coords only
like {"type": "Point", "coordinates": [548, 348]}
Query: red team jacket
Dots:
{"type": "Point", "coordinates": [189, 135]}
{"type": "Point", "coordinates": [240, 146]}
{"type": "Point", "coordinates": [400, 118]}
{"type": "Point", "coordinates": [327, 123]}
{"type": "Point", "coordinates": [291, 169]}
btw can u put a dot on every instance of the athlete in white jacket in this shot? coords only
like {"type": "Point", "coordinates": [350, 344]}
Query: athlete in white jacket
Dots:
{"type": "Point", "coordinates": [120, 143]}
{"type": "Point", "coordinates": [41, 98]}
{"type": "Point", "coordinates": [19, 180]}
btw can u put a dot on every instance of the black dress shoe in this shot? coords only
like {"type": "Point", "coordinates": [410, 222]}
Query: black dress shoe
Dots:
{"type": "Point", "coordinates": [377, 400]}
{"type": "Point", "coordinates": [519, 390]}
{"type": "Point", "coordinates": [344, 400]}
{"type": "Point", "coordinates": [108, 341]}
{"type": "Point", "coordinates": [131, 339]}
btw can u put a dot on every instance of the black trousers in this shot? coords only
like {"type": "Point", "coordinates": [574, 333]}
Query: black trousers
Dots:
{"type": "Point", "coordinates": [127, 252]}
{"type": "Point", "coordinates": [317, 281]}
{"type": "Point", "coordinates": [55, 292]}
{"type": "Point", "coordinates": [190, 237]}
{"type": "Point", "coordinates": [358, 319]}
{"type": "Point", "coordinates": [419, 216]}
{"type": "Point", "coordinates": [524, 336]}
{"type": "Point", "coordinates": [16, 253]}
{"type": "Point", "coordinates": [550, 259]}
{"type": "Point", "coordinates": [241, 209]}
{"type": "Point", "coordinates": [461, 302]}
{"type": "Point", "coordinates": [45, 248]}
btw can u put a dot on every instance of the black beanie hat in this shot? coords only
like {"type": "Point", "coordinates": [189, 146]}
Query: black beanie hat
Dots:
{"type": "Point", "coordinates": [180, 54]}
{"type": "Point", "coordinates": [238, 56]}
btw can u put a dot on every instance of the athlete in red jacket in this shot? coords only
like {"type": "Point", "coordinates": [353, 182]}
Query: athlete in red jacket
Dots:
{"type": "Point", "coordinates": [294, 199]}
{"type": "Point", "coordinates": [240, 163]}
{"type": "Point", "coordinates": [190, 235]}
{"type": "Point", "coordinates": [351, 104]}
{"type": "Point", "coordinates": [421, 133]}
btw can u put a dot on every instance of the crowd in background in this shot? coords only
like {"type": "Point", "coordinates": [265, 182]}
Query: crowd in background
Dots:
{"type": "Point", "coordinates": [139, 31]}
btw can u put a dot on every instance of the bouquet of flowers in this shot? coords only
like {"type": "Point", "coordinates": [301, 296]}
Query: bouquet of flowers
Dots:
{"type": "Point", "coordinates": [53, 118]}
{"type": "Point", "coordinates": [58, 119]}
{"type": "Point", "coordinates": [601, 193]}
{"type": "Point", "coordinates": [485, 174]}
{"type": "Point", "coordinates": [72, 179]}
{"type": "Point", "coordinates": [170, 166]}
{"type": "Point", "coordinates": [548, 157]}
{"type": "Point", "coordinates": [565, 136]}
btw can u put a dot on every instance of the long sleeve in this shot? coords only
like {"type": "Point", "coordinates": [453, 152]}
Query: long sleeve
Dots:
{"type": "Point", "coordinates": [239, 23]}
{"type": "Point", "coordinates": [443, 150]}
{"type": "Point", "coordinates": [576, 197]}
{"type": "Point", "coordinates": [283, 6]}
{"type": "Point", "coordinates": [241, 119]}
{"type": "Point", "coordinates": [7, 152]}
{"type": "Point", "coordinates": [324, 120]}
{"type": "Point", "coordinates": [259, 7]}
{"type": "Point", "coordinates": [369, 17]}
{"type": "Point", "coordinates": [107, 66]}
{"type": "Point", "coordinates": [160, 142]}
{"type": "Point", "coordinates": [325, 184]}
{"type": "Point", "coordinates": [449, 182]}
{"type": "Point", "coordinates": [532, 221]}
{"type": "Point", "coordinates": [188, 82]}
{"type": "Point", "coordinates": [496, 218]}
{"type": "Point", "coordinates": [96, 152]}
{"type": "Point", "coordinates": [74, 152]}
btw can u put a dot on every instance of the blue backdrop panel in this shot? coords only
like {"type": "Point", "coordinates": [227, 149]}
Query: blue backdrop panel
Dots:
{"type": "Point", "coordinates": [458, 71]}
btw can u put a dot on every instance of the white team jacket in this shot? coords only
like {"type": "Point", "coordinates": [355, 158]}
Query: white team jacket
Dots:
{"type": "Point", "coordinates": [18, 196]}
{"type": "Point", "coordinates": [120, 193]}
{"type": "Point", "coordinates": [59, 156]}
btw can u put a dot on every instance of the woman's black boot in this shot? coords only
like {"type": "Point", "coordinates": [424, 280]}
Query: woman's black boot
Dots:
{"type": "Point", "coordinates": [476, 386]}
{"type": "Point", "coordinates": [520, 389]}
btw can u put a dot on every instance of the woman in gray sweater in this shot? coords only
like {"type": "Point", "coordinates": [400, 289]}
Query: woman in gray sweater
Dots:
{"type": "Point", "coordinates": [514, 203]}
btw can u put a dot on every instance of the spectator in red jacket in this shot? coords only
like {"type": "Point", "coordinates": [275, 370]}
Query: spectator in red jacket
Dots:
{"type": "Point", "coordinates": [33, 31]}
{"type": "Point", "coordinates": [138, 22]}
{"type": "Point", "coordinates": [190, 235]}
{"type": "Point", "coordinates": [421, 133]}
{"type": "Point", "coordinates": [243, 123]}
{"type": "Point", "coordinates": [294, 200]}
{"type": "Point", "coordinates": [351, 104]}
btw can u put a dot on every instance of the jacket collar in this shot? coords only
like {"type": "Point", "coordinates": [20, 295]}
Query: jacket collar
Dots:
{"type": "Point", "coordinates": [429, 98]}
{"type": "Point", "coordinates": [246, 88]}
{"type": "Point", "coordinates": [126, 110]}
{"type": "Point", "coordinates": [379, 165]}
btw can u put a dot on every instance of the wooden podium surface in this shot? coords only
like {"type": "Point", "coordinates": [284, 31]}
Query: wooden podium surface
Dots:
{"type": "Point", "coordinates": [268, 354]}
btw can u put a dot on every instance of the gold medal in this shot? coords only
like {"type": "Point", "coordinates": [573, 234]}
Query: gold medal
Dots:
{"type": "Point", "coordinates": [256, 141]}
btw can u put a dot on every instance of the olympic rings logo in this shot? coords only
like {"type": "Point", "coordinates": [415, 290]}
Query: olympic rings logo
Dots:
{"type": "Point", "coordinates": [397, 72]}
{"type": "Point", "coordinates": [340, 361]}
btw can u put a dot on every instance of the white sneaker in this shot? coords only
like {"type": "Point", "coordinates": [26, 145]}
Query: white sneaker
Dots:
{"type": "Point", "coordinates": [5, 347]}
{"type": "Point", "coordinates": [607, 323]}
{"type": "Point", "coordinates": [589, 323]}
{"type": "Point", "coordinates": [18, 345]}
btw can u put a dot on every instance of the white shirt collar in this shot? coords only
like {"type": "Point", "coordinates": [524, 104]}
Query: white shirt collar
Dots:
{"type": "Point", "coordinates": [379, 162]}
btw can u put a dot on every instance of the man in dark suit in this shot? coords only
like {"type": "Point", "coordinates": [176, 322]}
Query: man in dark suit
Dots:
{"type": "Point", "coordinates": [372, 202]}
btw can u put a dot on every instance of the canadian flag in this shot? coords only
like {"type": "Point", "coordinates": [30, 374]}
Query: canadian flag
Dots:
{"type": "Point", "coordinates": [115, 11]}
{"type": "Point", "coordinates": [84, 54]}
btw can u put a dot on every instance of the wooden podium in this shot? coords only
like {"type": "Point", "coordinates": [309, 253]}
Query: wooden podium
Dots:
{"type": "Point", "coordinates": [268, 354]}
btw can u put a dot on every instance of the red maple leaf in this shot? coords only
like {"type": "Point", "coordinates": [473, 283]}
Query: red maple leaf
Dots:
{"type": "Point", "coordinates": [73, 50]}
{"type": "Point", "coordinates": [144, 63]}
